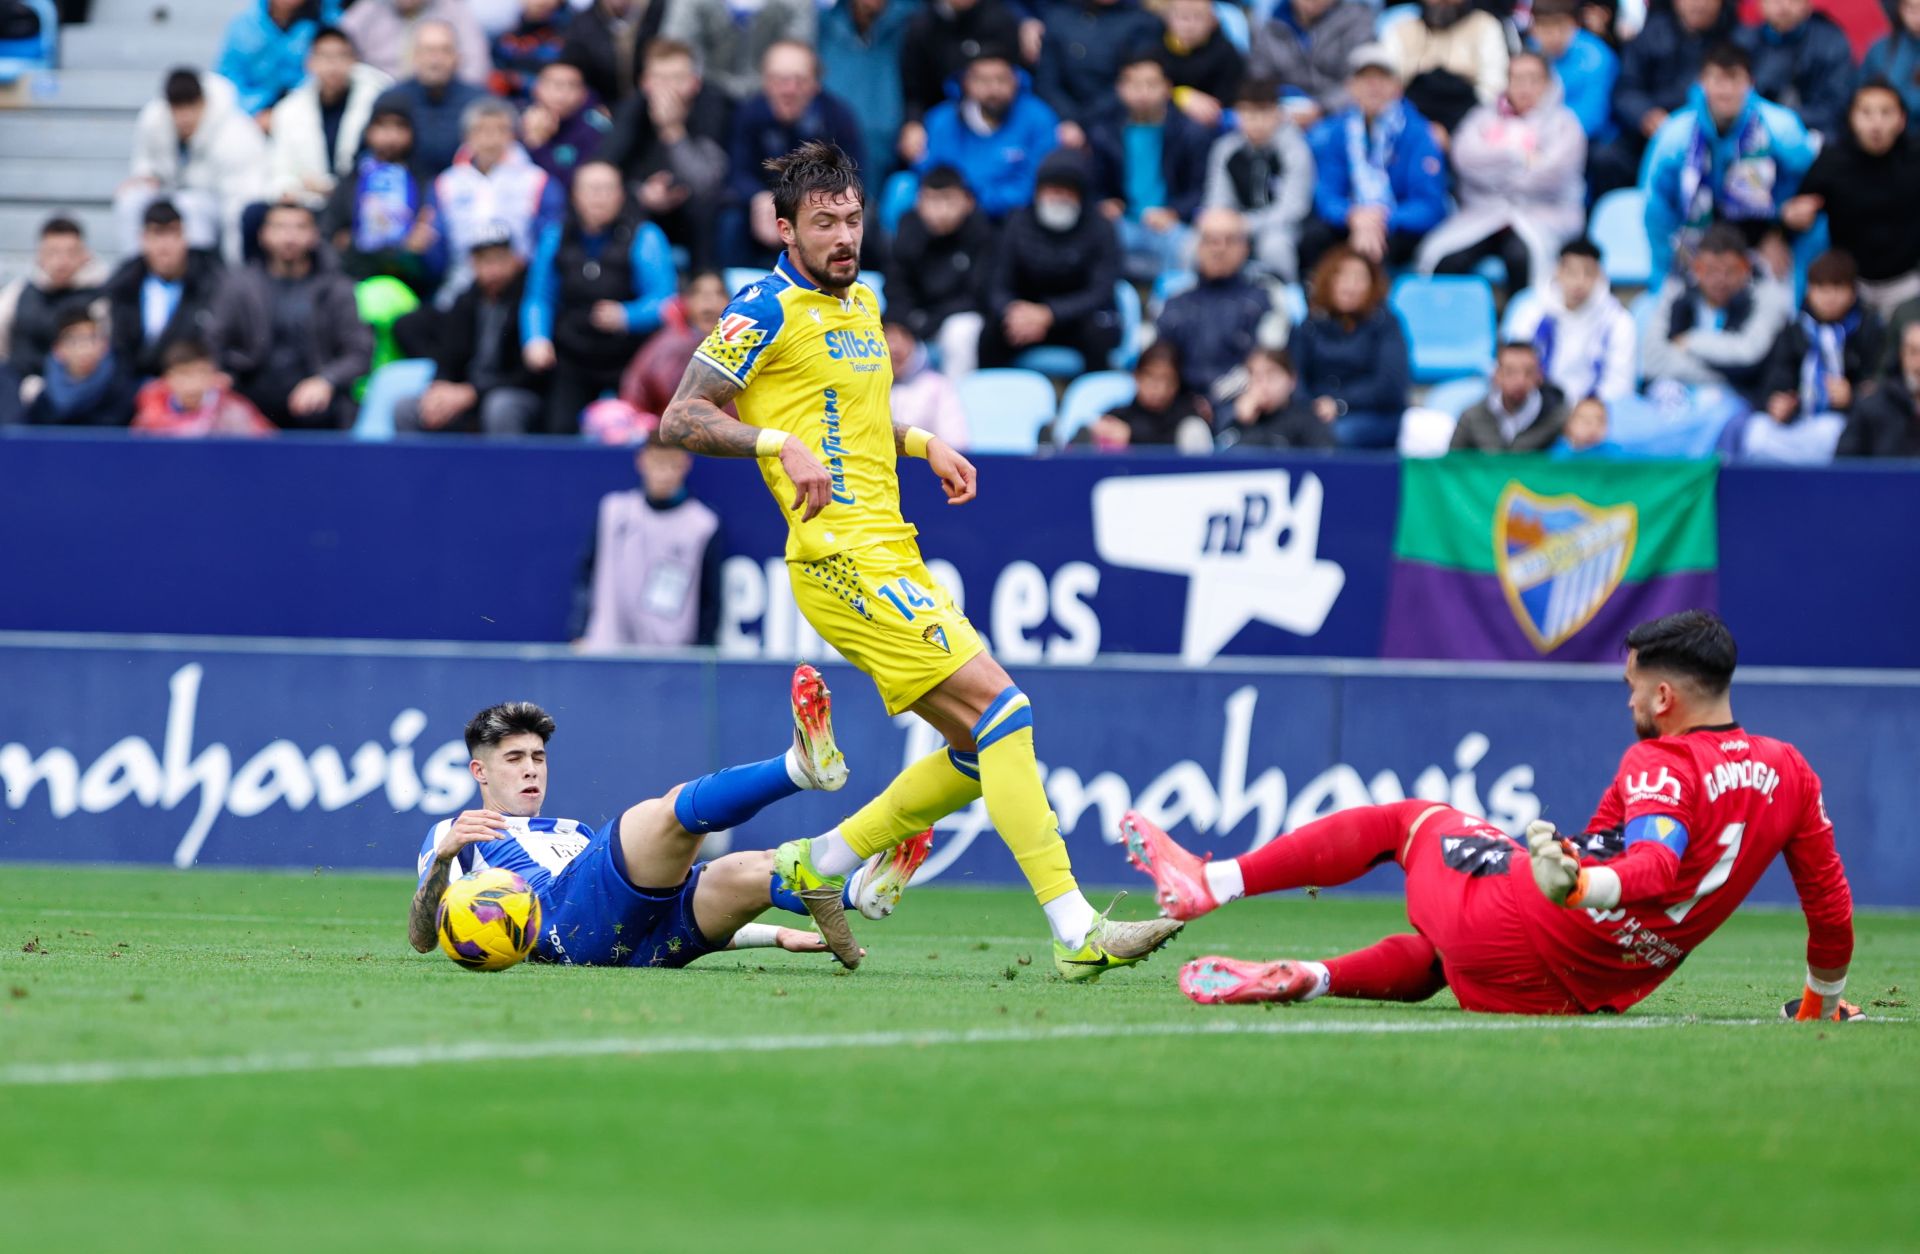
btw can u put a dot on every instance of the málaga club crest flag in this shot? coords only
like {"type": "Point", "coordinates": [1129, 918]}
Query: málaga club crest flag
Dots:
{"type": "Point", "coordinates": [1517, 557]}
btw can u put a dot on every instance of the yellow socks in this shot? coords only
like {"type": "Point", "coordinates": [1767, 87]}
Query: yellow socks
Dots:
{"type": "Point", "coordinates": [1017, 800]}
{"type": "Point", "coordinates": [920, 796]}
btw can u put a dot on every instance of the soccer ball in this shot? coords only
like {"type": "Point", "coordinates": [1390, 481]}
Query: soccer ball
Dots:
{"type": "Point", "coordinates": [489, 921]}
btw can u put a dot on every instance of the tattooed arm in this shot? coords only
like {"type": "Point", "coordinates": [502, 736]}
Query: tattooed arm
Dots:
{"type": "Point", "coordinates": [696, 420]}
{"type": "Point", "coordinates": [470, 828]}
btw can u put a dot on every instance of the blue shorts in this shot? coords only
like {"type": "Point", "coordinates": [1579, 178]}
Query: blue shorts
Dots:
{"type": "Point", "coordinates": [591, 916]}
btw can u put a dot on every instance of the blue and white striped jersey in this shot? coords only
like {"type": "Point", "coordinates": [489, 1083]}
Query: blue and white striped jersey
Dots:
{"type": "Point", "coordinates": [536, 850]}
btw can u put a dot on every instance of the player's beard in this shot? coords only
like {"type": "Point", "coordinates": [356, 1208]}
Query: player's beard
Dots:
{"type": "Point", "coordinates": [829, 268]}
{"type": "Point", "coordinates": [1643, 726]}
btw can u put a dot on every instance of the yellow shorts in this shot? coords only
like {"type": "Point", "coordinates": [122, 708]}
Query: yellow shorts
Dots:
{"type": "Point", "coordinates": [886, 615]}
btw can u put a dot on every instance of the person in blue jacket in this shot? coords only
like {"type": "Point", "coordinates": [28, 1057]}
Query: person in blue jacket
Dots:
{"type": "Point", "coordinates": [1581, 60]}
{"type": "Point", "coordinates": [1802, 61]}
{"type": "Point", "coordinates": [1895, 57]}
{"type": "Point", "coordinates": [1727, 156]}
{"type": "Point", "coordinates": [264, 54]}
{"type": "Point", "coordinates": [994, 131]}
{"type": "Point", "coordinates": [1382, 177]}
{"type": "Point", "coordinates": [596, 289]}
{"type": "Point", "coordinates": [860, 42]}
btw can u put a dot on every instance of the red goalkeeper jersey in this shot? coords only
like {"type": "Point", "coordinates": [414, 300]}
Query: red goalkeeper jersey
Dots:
{"type": "Point", "coordinates": [1689, 824]}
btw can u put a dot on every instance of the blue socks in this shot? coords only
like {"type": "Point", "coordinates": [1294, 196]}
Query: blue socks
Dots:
{"type": "Point", "coordinates": [729, 798]}
{"type": "Point", "coordinates": [784, 900]}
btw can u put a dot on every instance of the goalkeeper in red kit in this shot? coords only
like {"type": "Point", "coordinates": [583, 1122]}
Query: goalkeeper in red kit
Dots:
{"type": "Point", "coordinates": [1698, 810]}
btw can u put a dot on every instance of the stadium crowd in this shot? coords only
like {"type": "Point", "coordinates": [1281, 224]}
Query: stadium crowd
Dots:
{"type": "Point", "coordinates": [550, 202]}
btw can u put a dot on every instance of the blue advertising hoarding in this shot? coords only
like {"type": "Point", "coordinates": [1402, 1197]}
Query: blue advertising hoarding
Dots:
{"type": "Point", "coordinates": [278, 754]}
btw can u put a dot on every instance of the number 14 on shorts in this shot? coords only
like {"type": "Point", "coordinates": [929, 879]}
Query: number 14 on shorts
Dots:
{"type": "Point", "coordinates": [907, 596]}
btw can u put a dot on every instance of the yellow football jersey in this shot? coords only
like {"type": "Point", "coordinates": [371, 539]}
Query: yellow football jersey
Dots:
{"type": "Point", "coordinates": [816, 366]}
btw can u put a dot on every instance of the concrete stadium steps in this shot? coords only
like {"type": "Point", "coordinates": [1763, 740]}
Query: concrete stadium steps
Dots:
{"type": "Point", "coordinates": [49, 138]}
{"type": "Point", "coordinates": [111, 91]}
{"type": "Point", "coordinates": [136, 42]}
{"type": "Point", "coordinates": [78, 181]}
{"type": "Point", "coordinates": [20, 225]}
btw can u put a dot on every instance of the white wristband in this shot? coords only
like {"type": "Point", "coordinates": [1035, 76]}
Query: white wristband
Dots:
{"type": "Point", "coordinates": [1602, 888]}
{"type": "Point", "coordinates": [755, 936]}
{"type": "Point", "coordinates": [1826, 988]}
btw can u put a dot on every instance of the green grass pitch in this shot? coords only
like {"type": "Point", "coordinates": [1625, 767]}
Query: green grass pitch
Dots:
{"type": "Point", "coordinates": [258, 1062]}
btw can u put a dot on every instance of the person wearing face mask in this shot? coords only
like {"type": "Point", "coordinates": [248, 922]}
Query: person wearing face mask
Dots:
{"type": "Point", "coordinates": [1451, 59]}
{"type": "Point", "coordinates": [1053, 275]}
{"type": "Point", "coordinates": [1867, 182]}
{"type": "Point", "coordinates": [1517, 166]}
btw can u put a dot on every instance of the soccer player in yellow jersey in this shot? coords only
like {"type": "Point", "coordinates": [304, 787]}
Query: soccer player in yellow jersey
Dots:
{"type": "Point", "coordinates": [801, 357]}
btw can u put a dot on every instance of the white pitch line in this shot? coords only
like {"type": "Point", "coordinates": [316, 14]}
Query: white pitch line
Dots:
{"type": "Point", "coordinates": [403, 1056]}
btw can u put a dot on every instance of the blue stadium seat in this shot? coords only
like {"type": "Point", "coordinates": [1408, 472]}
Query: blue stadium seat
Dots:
{"type": "Point", "coordinates": [1393, 16]}
{"type": "Point", "coordinates": [738, 277]}
{"type": "Point", "coordinates": [1006, 409]}
{"type": "Point", "coordinates": [878, 282]}
{"type": "Point", "coordinates": [1449, 324]}
{"type": "Point", "coordinates": [1233, 24]}
{"type": "Point", "coordinates": [1456, 396]}
{"type": "Point", "coordinates": [1169, 284]}
{"type": "Point", "coordinates": [897, 197]}
{"type": "Point", "coordinates": [1644, 308]}
{"type": "Point", "coordinates": [1522, 303]}
{"type": "Point", "coordinates": [1293, 301]}
{"type": "Point", "coordinates": [41, 52]}
{"type": "Point", "coordinates": [1066, 363]}
{"type": "Point", "coordinates": [1619, 227]}
{"type": "Point", "coordinates": [1088, 397]}
{"type": "Point", "coordinates": [390, 384]}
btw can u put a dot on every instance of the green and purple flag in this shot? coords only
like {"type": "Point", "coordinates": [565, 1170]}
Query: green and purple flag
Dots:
{"type": "Point", "coordinates": [1520, 557]}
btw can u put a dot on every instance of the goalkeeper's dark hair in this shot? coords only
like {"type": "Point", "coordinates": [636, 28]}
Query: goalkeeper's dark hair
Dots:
{"type": "Point", "coordinates": [815, 168]}
{"type": "Point", "coordinates": [1693, 644]}
{"type": "Point", "coordinates": [510, 718]}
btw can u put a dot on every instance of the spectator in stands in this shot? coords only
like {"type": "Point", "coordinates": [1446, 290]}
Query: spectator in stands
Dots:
{"type": "Point", "coordinates": [922, 396]}
{"type": "Point", "coordinates": [939, 42]}
{"type": "Point", "coordinates": [653, 376]}
{"type": "Point", "coordinates": [1263, 170]}
{"type": "Point", "coordinates": [1518, 173]}
{"type": "Point", "coordinates": [1204, 68]}
{"type": "Point", "coordinates": [1585, 338]}
{"type": "Point", "coordinates": [1382, 179]}
{"type": "Point", "coordinates": [388, 34]}
{"type": "Point", "coordinates": [564, 127]}
{"type": "Point", "coordinates": [1585, 434]}
{"type": "Point", "coordinates": [1162, 411]}
{"type": "Point", "coordinates": [1307, 46]}
{"type": "Point", "coordinates": [789, 110]}
{"type": "Point", "coordinates": [380, 219]}
{"type": "Point", "coordinates": [1867, 181]}
{"type": "Point", "coordinates": [942, 251]}
{"type": "Point", "coordinates": [480, 384]}
{"type": "Point", "coordinates": [84, 385]}
{"type": "Point", "coordinates": [162, 295]}
{"type": "Point", "coordinates": [1270, 412]}
{"type": "Point", "coordinates": [287, 330]}
{"type": "Point", "coordinates": [190, 398]}
{"type": "Point", "coordinates": [1895, 56]}
{"type": "Point", "coordinates": [1657, 72]}
{"type": "Point", "coordinates": [1522, 413]}
{"type": "Point", "coordinates": [1584, 65]}
{"type": "Point", "coordinates": [434, 100]}
{"type": "Point", "coordinates": [608, 40]}
{"type": "Point", "coordinates": [1149, 169]}
{"type": "Point", "coordinates": [534, 41]}
{"type": "Point", "coordinates": [995, 133]}
{"type": "Point", "coordinates": [1801, 61]}
{"type": "Point", "coordinates": [1714, 327]}
{"type": "Point", "coordinates": [65, 276]}
{"type": "Point", "coordinates": [317, 126]}
{"type": "Point", "coordinates": [1451, 59]}
{"type": "Point", "coordinates": [860, 43]}
{"type": "Point", "coordinates": [669, 140]}
{"type": "Point", "coordinates": [1886, 421]}
{"type": "Point", "coordinates": [1821, 364]}
{"type": "Point", "coordinates": [731, 43]}
{"type": "Point", "coordinates": [265, 49]}
{"type": "Point", "coordinates": [1053, 274]}
{"type": "Point", "coordinates": [1729, 156]}
{"type": "Point", "coordinates": [1087, 42]}
{"type": "Point", "coordinates": [1222, 317]}
{"type": "Point", "coordinates": [492, 182]}
{"type": "Point", "coordinates": [655, 566]}
{"type": "Point", "coordinates": [195, 147]}
{"type": "Point", "coordinates": [597, 286]}
{"type": "Point", "coordinates": [1351, 351]}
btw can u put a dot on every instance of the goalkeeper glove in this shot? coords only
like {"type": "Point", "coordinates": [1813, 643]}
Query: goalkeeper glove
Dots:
{"type": "Point", "coordinates": [1560, 877]}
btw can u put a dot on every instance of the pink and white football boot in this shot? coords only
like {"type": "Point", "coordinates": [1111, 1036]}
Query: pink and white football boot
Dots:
{"type": "Point", "coordinates": [1179, 877]}
{"type": "Point", "coordinates": [1217, 981]}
